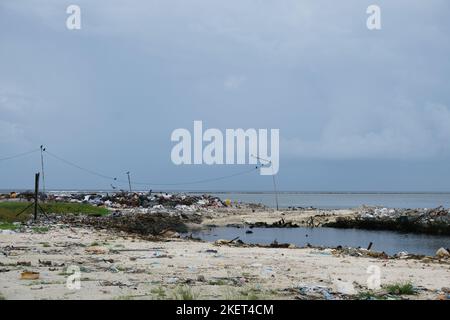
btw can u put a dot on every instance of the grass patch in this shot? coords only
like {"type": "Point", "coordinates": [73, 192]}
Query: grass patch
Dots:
{"type": "Point", "coordinates": [246, 294]}
{"type": "Point", "coordinates": [2, 297]}
{"type": "Point", "coordinates": [370, 295]}
{"type": "Point", "coordinates": [159, 292]}
{"type": "Point", "coordinates": [40, 229]}
{"type": "Point", "coordinates": [129, 297]}
{"type": "Point", "coordinates": [44, 282]}
{"type": "Point", "coordinates": [8, 226]}
{"type": "Point", "coordinates": [251, 294]}
{"type": "Point", "coordinates": [401, 289]}
{"type": "Point", "coordinates": [184, 293]}
{"type": "Point", "coordinates": [9, 209]}
{"type": "Point", "coordinates": [219, 282]}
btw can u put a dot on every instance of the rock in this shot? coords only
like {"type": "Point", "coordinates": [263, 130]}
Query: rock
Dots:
{"type": "Point", "coordinates": [169, 234]}
{"type": "Point", "coordinates": [402, 255]}
{"type": "Point", "coordinates": [221, 241]}
{"type": "Point", "coordinates": [96, 250]}
{"type": "Point", "coordinates": [45, 263]}
{"type": "Point", "coordinates": [201, 278]}
{"type": "Point", "coordinates": [442, 253]}
{"type": "Point", "coordinates": [426, 259]}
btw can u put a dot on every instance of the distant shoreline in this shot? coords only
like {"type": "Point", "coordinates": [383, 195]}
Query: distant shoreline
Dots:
{"type": "Point", "coordinates": [237, 192]}
{"type": "Point", "coordinates": [298, 199]}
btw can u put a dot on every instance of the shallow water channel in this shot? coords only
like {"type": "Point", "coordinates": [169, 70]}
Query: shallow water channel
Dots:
{"type": "Point", "coordinates": [387, 241]}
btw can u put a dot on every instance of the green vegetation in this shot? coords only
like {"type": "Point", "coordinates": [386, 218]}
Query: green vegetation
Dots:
{"type": "Point", "coordinates": [40, 229]}
{"type": "Point", "coordinates": [2, 297]}
{"type": "Point", "coordinates": [401, 289]}
{"type": "Point", "coordinates": [126, 297]}
{"type": "Point", "coordinates": [159, 292]}
{"type": "Point", "coordinates": [184, 293]}
{"type": "Point", "coordinates": [8, 226]}
{"type": "Point", "coordinates": [370, 295]}
{"type": "Point", "coordinates": [9, 209]}
{"type": "Point", "coordinates": [251, 294]}
{"type": "Point", "coordinates": [246, 294]}
{"type": "Point", "coordinates": [219, 282]}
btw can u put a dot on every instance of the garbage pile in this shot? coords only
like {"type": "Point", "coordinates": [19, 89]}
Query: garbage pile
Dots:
{"type": "Point", "coordinates": [27, 195]}
{"type": "Point", "coordinates": [123, 200]}
{"type": "Point", "coordinates": [158, 224]}
{"type": "Point", "coordinates": [277, 224]}
{"type": "Point", "coordinates": [423, 216]}
{"type": "Point", "coordinates": [432, 221]}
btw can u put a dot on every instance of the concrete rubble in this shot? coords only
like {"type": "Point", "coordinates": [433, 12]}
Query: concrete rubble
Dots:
{"type": "Point", "coordinates": [422, 220]}
{"type": "Point", "coordinates": [123, 200]}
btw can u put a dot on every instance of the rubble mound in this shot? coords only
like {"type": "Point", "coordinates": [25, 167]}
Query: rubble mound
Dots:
{"type": "Point", "coordinates": [431, 221]}
{"type": "Point", "coordinates": [142, 224]}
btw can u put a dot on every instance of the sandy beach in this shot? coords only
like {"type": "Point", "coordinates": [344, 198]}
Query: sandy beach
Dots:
{"type": "Point", "coordinates": [115, 265]}
{"type": "Point", "coordinates": [246, 216]}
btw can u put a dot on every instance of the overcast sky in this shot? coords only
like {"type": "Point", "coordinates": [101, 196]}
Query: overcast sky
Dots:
{"type": "Point", "coordinates": [357, 109]}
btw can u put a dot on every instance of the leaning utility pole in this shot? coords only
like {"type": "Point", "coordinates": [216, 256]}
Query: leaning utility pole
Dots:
{"type": "Point", "coordinates": [129, 180]}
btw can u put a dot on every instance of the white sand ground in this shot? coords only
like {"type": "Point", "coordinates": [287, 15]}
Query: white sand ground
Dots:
{"type": "Point", "coordinates": [124, 267]}
{"type": "Point", "coordinates": [227, 216]}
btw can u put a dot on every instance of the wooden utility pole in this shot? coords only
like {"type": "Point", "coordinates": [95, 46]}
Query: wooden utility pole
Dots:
{"type": "Point", "coordinates": [36, 195]}
{"type": "Point", "coordinates": [34, 204]}
{"type": "Point", "coordinates": [42, 167]}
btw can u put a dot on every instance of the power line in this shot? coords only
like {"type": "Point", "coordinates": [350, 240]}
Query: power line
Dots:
{"type": "Point", "coordinates": [268, 162]}
{"type": "Point", "coordinates": [19, 155]}
{"type": "Point", "coordinates": [79, 167]}
{"type": "Point", "coordinates": [198, 181]}
{"type": "Point", "coordinates": [149, 183]}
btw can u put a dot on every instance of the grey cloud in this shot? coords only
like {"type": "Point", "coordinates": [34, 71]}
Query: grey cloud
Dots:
{"type": "Point", "coordinates": [401, 133]}
{"type": "Point", "coordinates": [139, 69]}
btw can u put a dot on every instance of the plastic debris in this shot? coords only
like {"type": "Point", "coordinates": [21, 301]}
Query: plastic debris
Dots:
{"type": "Point", "coordinates": [442, 253]}
{"type": "Point", "coordinates": [29, 275]}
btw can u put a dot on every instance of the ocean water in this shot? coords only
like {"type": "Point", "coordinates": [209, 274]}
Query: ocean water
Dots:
{"type": "Point", "coordinates": [342, 200]}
